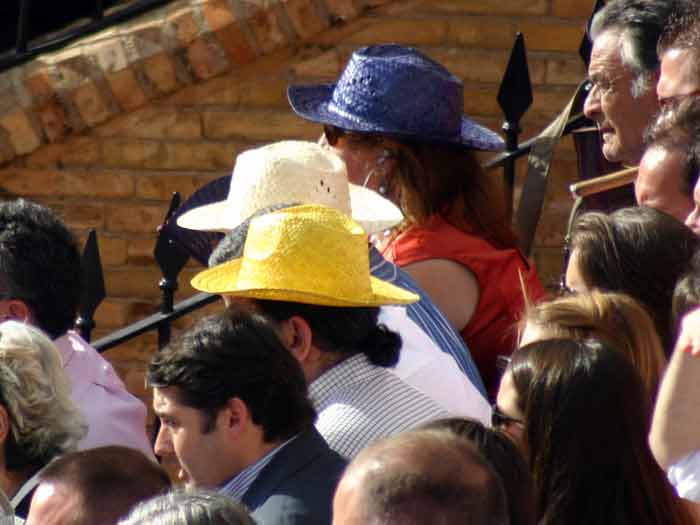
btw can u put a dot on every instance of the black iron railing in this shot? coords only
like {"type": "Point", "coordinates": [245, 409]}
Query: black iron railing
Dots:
{"type": "Point", "coordinates": [514, 96]}
{"type": "Point", "coordinates": [31, 27]}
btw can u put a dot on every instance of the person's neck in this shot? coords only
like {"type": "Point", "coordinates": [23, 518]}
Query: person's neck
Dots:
{"type": "Point", "coordinates": [325, 361]}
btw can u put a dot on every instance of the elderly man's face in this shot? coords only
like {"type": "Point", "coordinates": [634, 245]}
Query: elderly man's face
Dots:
{"type": "Point", "coordinates": [680, 75]}
{"type": "Point", "coordinates": [620, 116]}
{"type": "Point", "coordinates": [659, 183]}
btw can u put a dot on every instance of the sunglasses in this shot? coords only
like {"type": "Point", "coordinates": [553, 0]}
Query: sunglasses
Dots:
{"type": "Point", "coordinates": [333, 135]}
{"type": "Point", "coordinates": [499, 419]}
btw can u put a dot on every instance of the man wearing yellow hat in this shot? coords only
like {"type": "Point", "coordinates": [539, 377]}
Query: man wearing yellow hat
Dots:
{"type": "Point", "coordinates": [281, 174]}
{"type": "Point", "coordinates": [306, 268]}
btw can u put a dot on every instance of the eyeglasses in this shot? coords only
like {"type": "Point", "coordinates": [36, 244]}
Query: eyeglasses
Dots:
{"type": "Point", "coordinates": [499, 419]}
{"type": "Point", "coordinates": [333, 134]}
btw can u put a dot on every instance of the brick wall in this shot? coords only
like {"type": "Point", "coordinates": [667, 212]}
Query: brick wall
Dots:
{"type": "Point", "coordinates": [106, 130]}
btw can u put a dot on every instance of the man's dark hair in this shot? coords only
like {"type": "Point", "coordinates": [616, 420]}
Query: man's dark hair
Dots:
{"type": "Point", "coordinates": [109, 481]}
{"type": "Point", "coordinates": [678, 127]}
{"type": "Point", "coordinates": [40, 264]}
{"type": "Point", "coordinates": [460, 488]}
{"type": "Point", "coordinates": [346, 330]}
{"type": "Point", "coordinates": [236, 354]}
{"type": "Point", "coordinates": [640, 23]}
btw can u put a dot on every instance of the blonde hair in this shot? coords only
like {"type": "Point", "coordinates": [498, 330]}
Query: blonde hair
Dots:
{"type": "Point", "coordinates": [612, 318]}
{"type": "Point", "coordinates": [36, 394]}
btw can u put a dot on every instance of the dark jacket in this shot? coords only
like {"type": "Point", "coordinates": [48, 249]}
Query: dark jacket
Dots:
{"type": "Point", "coordinates": [297, 486]}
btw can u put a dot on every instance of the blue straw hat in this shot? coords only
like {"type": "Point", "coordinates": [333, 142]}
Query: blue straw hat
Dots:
{"type": "Point", "coordinates": [394, 90]}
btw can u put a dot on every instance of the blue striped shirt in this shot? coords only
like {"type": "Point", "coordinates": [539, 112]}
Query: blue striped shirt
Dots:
{"type": "Point", "coordinates": [237, 486]}
{"type": "Point", "coordinates": [428, 317]}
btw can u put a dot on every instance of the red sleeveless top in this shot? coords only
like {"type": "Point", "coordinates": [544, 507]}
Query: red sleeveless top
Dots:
{"type": "Point", "coordinates": [491, 331]}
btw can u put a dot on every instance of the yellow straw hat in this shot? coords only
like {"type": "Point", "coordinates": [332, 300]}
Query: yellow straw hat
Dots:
{"type": "Point", "coordinates": [306, 254]}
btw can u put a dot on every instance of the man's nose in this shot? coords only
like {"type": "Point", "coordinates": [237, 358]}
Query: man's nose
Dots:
{"type": "Point", "coordinates": [591, 108]}
{"type": "Point", "coordinates": [163, 445]}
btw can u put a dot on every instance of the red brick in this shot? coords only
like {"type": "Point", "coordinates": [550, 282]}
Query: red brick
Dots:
{"type": "Point", "coordinates": [140, 252]}
{"type": "Point", "coordinates": [325, 66]}
{"type": "Point", "coordinates": [186, 28]}
{"type": "Point", "coordinates": [203, 156]}
{"type": "Point", "coordinates": [126, 89]}
{"type": "Point", "coordinates": [136, 219]}
{"type": "Point", "coordinates": [54, 121]}
{"type": "Point", "coordinates": [305, 18]}
{"type": "Point", "coordinates": [344, 9]}
{"type": "Point", "coordinates": [133, 282]}
{"type": "Point", "coordinates": [551, 35]}
{"type": "Point", "coordinates": [258, 125]}
{"type": "Point", "coordinates": [162, 187]}
{"type": "Point", "coordinates": [565, 71]}
{"type": "Point", "coordinates": [217, 14]}
{"type": "Point", "coordinates": [234, 42]}
{"type": "Point", "coordinates": [82, 216]}
{"type": "Point", "coordinates": [206, 58]}
{"type": "Point", "coordinates": [502, 7]}
{"type": "Point", "coordinates": [74, 151]}
{"type": "Point", "coordinates": [113, 250]}
{"type": "Point", "coordinates": [23, 136]}
{"type": "Point", "coordinates": [161, 72]}
{"type": "Point", "coordinates": [572, 8]}
{"type": "Point", "coordinates": [154, 122]}
{"type": "Point", "coordinates": [266, 29]}
{"type": "Point", "coordinates": [39, 86]}
{"type": "Point", "coordinates": [67, 183]}
{"type": "Point", "coordinates": [132, 153]}
{"type": "Point", "coordinates": [90, 103]}
{"type": "Point", "coordinates": [480, 32]}
{"type": "Point", "coordinates": [402, 31]}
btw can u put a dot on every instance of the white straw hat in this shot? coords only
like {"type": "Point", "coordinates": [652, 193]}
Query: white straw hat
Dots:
{"type": "Point", "coordinates": [292, 172]}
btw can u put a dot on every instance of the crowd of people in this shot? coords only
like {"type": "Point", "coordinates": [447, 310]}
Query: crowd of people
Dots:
{"type": "Point", "coordinates": [384, 353]}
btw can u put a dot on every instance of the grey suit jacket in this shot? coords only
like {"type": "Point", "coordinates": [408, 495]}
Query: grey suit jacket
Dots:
{"type": "Point", "coordinates": [297, 486]}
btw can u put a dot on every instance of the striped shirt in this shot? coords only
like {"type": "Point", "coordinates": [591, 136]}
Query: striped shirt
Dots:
{"type": "Point", "coordinates": [358, 402]}
{"type": "Point", "coordinates": [428, 317]}
{"type": "Point", "coordinates": [237, 486]}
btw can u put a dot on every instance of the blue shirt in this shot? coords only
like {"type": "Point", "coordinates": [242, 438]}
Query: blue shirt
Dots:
{"type": "Point", "coordinates": [428, 317]}
{"type": "Point", "coordinates": [237, 486]}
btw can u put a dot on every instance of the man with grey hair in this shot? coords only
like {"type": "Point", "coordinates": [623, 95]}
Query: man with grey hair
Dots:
{"type": "Point", "coordinates": [623, 71]}
{"type": "Point", "coordinates": [397, 481]}
{"type": "Point", "coordinates": [189, 507]}
{"type": "Point", "coordinates": [38, 419]}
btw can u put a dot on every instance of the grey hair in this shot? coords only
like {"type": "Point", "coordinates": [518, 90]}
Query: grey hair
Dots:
{"type": "Point", "coordinates": [639, 24]}
{"type": "Point", "coordinates": [36, 394]}
{"type": "Point", "coordinates": [189, 507]}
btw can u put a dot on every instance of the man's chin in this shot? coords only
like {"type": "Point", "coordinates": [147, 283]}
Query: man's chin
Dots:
{"type": "Point", "coordinates": [611, 152]}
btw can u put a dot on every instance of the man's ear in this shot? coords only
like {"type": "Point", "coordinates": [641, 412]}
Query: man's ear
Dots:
{"type": "Point", "coordinates": [297, 337]}
{"type": "Point", "coordinates": [235, 415]}
{"type": "Point", "coordinates": [18, 311]}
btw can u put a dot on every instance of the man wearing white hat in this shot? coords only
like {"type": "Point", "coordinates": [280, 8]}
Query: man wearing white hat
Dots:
{"type": "Point", "coordinates": [287, 173]}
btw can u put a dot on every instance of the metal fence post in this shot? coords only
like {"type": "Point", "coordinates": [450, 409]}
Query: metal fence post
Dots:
{"type": "Point", "coordinates": [93, 292]}
{"type": "Point", "coordinates": [171, 260]}
{"type": "Point", "coordinates": [514, 98]}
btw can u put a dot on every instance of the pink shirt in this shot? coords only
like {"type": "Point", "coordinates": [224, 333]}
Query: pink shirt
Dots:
{"type": "Point", "coordinates": [114, 416]}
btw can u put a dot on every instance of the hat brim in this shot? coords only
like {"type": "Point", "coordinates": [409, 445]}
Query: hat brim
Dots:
{"type": "Point", "coordinates": [312, 102]}
{"type": "Point", "coordinates": [222, 280]}
{"type": "Point", "coordinates": [374, 213]}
